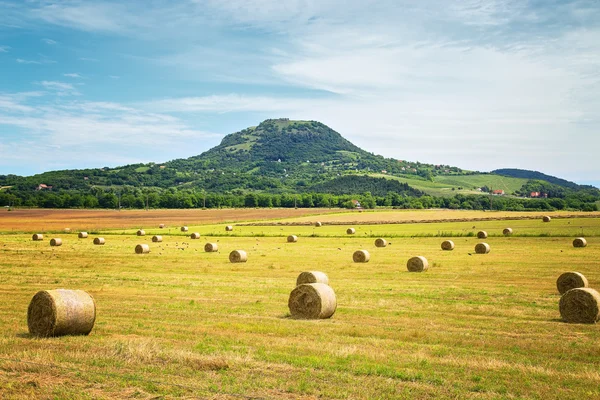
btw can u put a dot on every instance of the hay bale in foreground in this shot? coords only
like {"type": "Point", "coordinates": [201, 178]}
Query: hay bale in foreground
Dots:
{"type": "Point", "coordinates": [211, 247]}
{"type": "Point", "coordinates": [82, 235]}
{"type": "Point", "coordinates": [380, 242]}
{"type": "Point", "coordinates": [580, 305]}
{"type": "Point", "coordinates": [156, 239]}
{"type": "Point", "coordinates": [142, 249]}
{"type": "Point", "coordinates": [195, 235]}
{"type": "Point", "coordinates": [61, 312]}
{"type": "Point", "coordinates": [579, 242]}
{"type": "Point", "coordinates": [56, 242]}
{"type": "Point", "coordinates": [184, 229]}
{"type": "Point", "coordinates": [99, 241]}
{"type": "Point", "coordinates": [238, 256]}
{"type": "Point", "coordinates": [570, 280]}
{"type": "Point", "coordinates": [229, 228]}
{"type": "Point", "coordinates": [141, 232]}
{"type": "Point", "coordinates": [318, 224]}
{"type": "Point", "coordinates": [37, 236]}
{"type": "Point", "coordinates": [447, 245]}
{"type": "Point", "coordinates": [361, 256]}
{"type": "Point", "coordinates": [417, 264]}
{"type": "Point", "coordinates": [546, 218]}
{"type": "Point", "coordinates": [161, 226]}
{"type": "Point", "coordinates": [482, 248]}
{"type": "Point", "coordinates": [482, 235]}
{"type": "Point", "coordinates": [312, 301]}
{"type": "Point", "coordinates": [312, 277]}
{"type": "Point", "coordinates": [292, 239]}
{"type": "Point", "coordinates": [350, 231]}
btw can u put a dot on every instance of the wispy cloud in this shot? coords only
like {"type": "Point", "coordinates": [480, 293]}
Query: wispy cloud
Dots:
{"type": "Point", "coordinates": [89, 59]}
{"type": "Point", "coordinates": [49, 41]}
{"type": "Point", "coordinates": [60, 88]}
{"type": "Point", "coordinates": [4, 49]}
{"type": "Point", "coordinates": [40, 61]}
{"type": "Point", "coordinates": [73, 75]}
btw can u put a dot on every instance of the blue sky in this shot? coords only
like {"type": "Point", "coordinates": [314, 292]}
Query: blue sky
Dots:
{"type": "Point", "coordinates": [480, 84]}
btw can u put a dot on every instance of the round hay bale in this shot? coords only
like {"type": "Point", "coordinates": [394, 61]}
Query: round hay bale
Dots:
{"type": "Point", "coordinates": [361, 256]}
{"type": "Point", "coordinates": [141, 232]}
{"type": "Point", "coordinates": [318, 224]}
{"type": "Point", "coordinates": [195, 235]}
{"type": "Point", "coordinates": [184, 229]}
{"type": "Point", "coordinates": [61, 312]}
{"type": "Point", "coordinates": [211, 247]}
{"type": "Point", "coordinates": [229, 228]}
{"type": "Point", "coordinates": [56, 242]}
{"type": "Point", "coordinates": [292, 239]}
{"type": "Point", "coordinates": [312, 301]}
{"type": "Point", "coordinates": [350, 231]}
{"type": "Point", "coordinates": [142, 249]}
{"type": "Point", "coordinates": [312, 277]}
{"type": "Point", "coordinates": [447, 245]}
{"type": "Point", "coordinates": [156, 239]}
{"type": "Point", "coordinates": [238, 256]}
{"type": "Point", "coordinates": [546, 218]}
{"type": "Point", "coordinates": [417, 264]}
{"type": "Point", "coordinates": [37, 236]}
{"type": "Point", "coordinates": [580, 305]}
{"type": "Point", "coordinates": [570, 280]}
{"type": "Point", "coordinates": [380, 242]}
{"type": "Point", "coordinates": [579, 242]}
{"type": "Point", "coordinates": [161, 226]}
{"type": "Point", "coordinates": [67, 230]}
{"type": "Point", "coordinates": [482, 235]}
{"type": "Point", "coordinates": [82, 235]}
{"type": "Point", "coordinates": [99, 241]}
{"type": "Point", "coordinates": [507, 231]}
{"type": "Point", "coordinates": [482, 248]}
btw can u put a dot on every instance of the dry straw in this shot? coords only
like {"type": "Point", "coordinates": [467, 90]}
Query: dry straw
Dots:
{"type": "Point", "coordinates": [482, 235]}
{"type": "Point", "coordinates": [350, 231]}
{"type": "Point", "coordinates": [142, 249]}
{"type": "Point", "coordinates": [292, 239]}
{"type": "Point", "coordinates": [417, 264]}
{"type": "Point", "coordinates": [579, 242]}
{"type": "Point", "coordinates": [482, 248]}
{"type": "Point", "coordinates": [570, 280]}
{"type": "Point", "coordinates": [318, 224]}
{"type": "Point", "coordinates": [56, 242]}
{"type": "Point", "coordinates": [380, 242]}
{"type": "Point", "coordinates": [546, 218]}
{"type": "Point", "coordinates": [312, 301]}
{"type": "Point", "coordinates": [61, 312]}
{"type": "Point", "coordinates": [312, 277]}
{"type": "Point", "coordinates": [37, 236]}
{"type": "Point", "coordinates": [211, 247]}
{"type": "Point", "coordinates": [99, 241]}
{"type": "Point", "coordinates": [184, 229]}
{"type": "Point", "coordinates": [507, 231]}
{"type": "Point", "coordinates": [141, 232]}
{"type": "Point", "coordinates": [447, 245]}
{"type": "Point", "coordinates": [238, 256]}
{"type": "Point", "coordinates": [229, 228]}
{"type": "Point", "coordinates": [361, 256]}
{"type": "Point", "coordinates": [156, 239]}
{"type": "Point", "coordinates": [67, 230]}
{"type": "Point", "coordinates": [82, 235]}
{"type": "Point", "coordinates": [195, 235]}
{"type": "Point", "coordinates": [580, 305]}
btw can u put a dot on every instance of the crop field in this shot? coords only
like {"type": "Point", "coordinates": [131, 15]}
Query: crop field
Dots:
{"type": "Point", "coordinates": [182, 323]}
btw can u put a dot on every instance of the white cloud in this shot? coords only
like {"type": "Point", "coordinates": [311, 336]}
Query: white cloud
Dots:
{"type": "Point", "coordinates": [89, 59]}
{"type": "Point", "coordinates": [73, 75]}
{"type": "Point", "coordinates": [60, 88]}
{"type": "Point", "coordinates": [49, 41]}
{"type": "Point", "coordinates": [42, 60]}
{"type": "Point", "coordinates": [4, 49]}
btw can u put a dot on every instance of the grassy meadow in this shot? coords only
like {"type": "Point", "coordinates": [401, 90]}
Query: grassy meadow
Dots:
{"type": "Point", "coordinates": [182, 323]}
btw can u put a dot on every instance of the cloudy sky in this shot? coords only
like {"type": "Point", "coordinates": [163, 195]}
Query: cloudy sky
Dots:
{"type": "Point", "coordinates": [480, 84]}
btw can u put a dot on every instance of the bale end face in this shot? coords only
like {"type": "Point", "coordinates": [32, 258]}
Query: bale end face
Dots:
{"type": "Point", "coordinates": [482, 235]}
{"type": "Point", "coordinates": [546, 218]}
{"type": "Point", "coordinates": [350, 231]}
{"type": "Point", "coordinates": [238, 256]}
{"type": "Point", "coordinates": [570, 280]}
{"type": "Point", "coordinates": [99, 241]}
{"type": "Point", "coordinates": [417, 264]}
{"type": "Point", "coordinates": [361, 256]}
{"type": "Point", "coordinates": [482, 248]}
{"type": "Point", "coordinates": [579, 242]}
{"type": "Point", "coordinates": [142, 249]}
{"type": "Point", "coordinates": [211, 247]}
{"type": "Point", "coordinates": [61, 312]}
{"type": "Point", "coordinates": [312, 277]}
{"type": "Point", "coordinates": [228, 228]}
{"type": "Point", "coordinates": [292, 239]}
{"type": "Point", "coordinates": [318, 224]}
{"type": "Point", "coordinates": [37, 237]}
{"type": "Point", "coordinates": [380, 242]}
{"type": "Point", "coordinates": [580, 305]}
{"type": "Point", "coordinates": [507, 231]}
{"type": "Point", "coordinates": [312, 301]}
{"type": "Point", "coordinates": [56, 242]}
{"type": "Point", "coordinates": [447, 245]}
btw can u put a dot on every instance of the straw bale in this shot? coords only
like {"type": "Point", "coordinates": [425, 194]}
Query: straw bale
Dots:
{"type": "Point", "coordinates": [37, 236]}
{"type": "Point", "coordinates": [61, 312]}
{"type": "Point", "coordinates": [238, 256]}
{"type": "Point", "coordinates": [318, 224]}
{"type": "Point", "coordinates": [546, 218]}
{"type": "Point", "coordinates": [56, 242]}
{"type": "Point", "coordinates": [570, 280]}
{"type": "Point", "coordinates": [141, 232]}
{"type": "Point", "coordinates": [211, 247]}
{"type": "Point", "coordinates": [380, 242]}
{"type": "Point", "coordinates": [350, 231]}
{"type": "Point", "coordinates": [507, 231]}
{"type": "Point", "coordinates": [184, 229]}
{"type": "Point", "coordinates": [482, 248]}
{"type": "Point", "coordinates": [195, 235]}
{"type": "Point", "coordinates": [99, 241]}
{"type": "Point", "coordinates": [447, 245]}
{"type": "Point", "coordinates": [229, 228]}
{"type": "Point", "coordinates": [361, 256]}
{"type": "Point", "coordinates": [67, 230]}
{"type": "Point", "coordinates": [292, 239]}
{"type": "Point", "coordinates": [82, 235]}
{"type": "Point", "coordinates": [580, 305]}
{"type": "Point", "coordinates": [157, 239]}
{"type": "Point", "coordinates": [417, 264]}
{"type": "Point", "coordinates": [482, 235]}
{"type": "Point", "coordinates": [161, 226]}
{"type": "Point", "coordinates": [312, 301]}
{"type": "Point", "coordinates": [579, 242]}
{"type": "Point", "coordinates": [312, 277]}
{"type": "Point", "coordinates": [142, 249]}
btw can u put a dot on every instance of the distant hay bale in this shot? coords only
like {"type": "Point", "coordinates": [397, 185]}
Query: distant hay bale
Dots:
{"type": "Point", "coordinates": [184, 229]}
{"type": "Point", "coordinates": [361, 256]}
{"type": "Point", "coordinates": [546, 218]}
{"type": "Point", "coordinates": [229, 228]}
{"type": "Point", "coordinates": [417, 264]}
{"type": "Point", "coordinates": [312, 277]}
{"type": "Point", "coordinates": [37, 236]}
{"type": "Point", "coordinates": [292, 239]}
{"type": "Point", "coordinates": [238, 256]}
{"type": "Point", "coordinates": [99, 241]}
{"type": "Point", "coordinates": [312, 301]}
{"type": "Point", "coordinates": [56, 242]}
{"type": "Point", "coordinates": [350, 231]}
{"type": "Point", "coordinates": [141, 232]}
{"type": "Point", "coordinates": [447, 245]}
{"type": "Point", "coordinates": [318, 224]}
{"type": "Point", "coordinates": [482, 248]}
{"type": "Point", "coordinates": [482, 235]}
{"type": "Point", "coordinates": [579, 242]}
{"type": "Point", "coordinates": [142, 249]}
{"type": "Point", "coordinates": [580, 305]}
{"type": "Point", "coordinates": [380, 242]}
{"type": "Point", "coordinates": [195, 235]}
{"type": "Point", "coordinates": [161, 226]}
{"type": "Point", "coordinates": [61, 312]}
{"type": "Point", "coordinates": [67, 230]}
{"type": "Point", "coordinates": [570, 280]}
{"type": "Point", "coordinates": [82, 235]}
{"type": "Point", "coordinates": [211, 247]}
{"type": "Point", "coordinates": [507, 231]}
{"type": "Point", "coordinates": [156, 239]}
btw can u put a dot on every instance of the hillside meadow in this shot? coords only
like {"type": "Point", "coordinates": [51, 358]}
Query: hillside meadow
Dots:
{"type": "Point", "coordinates": [182, 323]}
